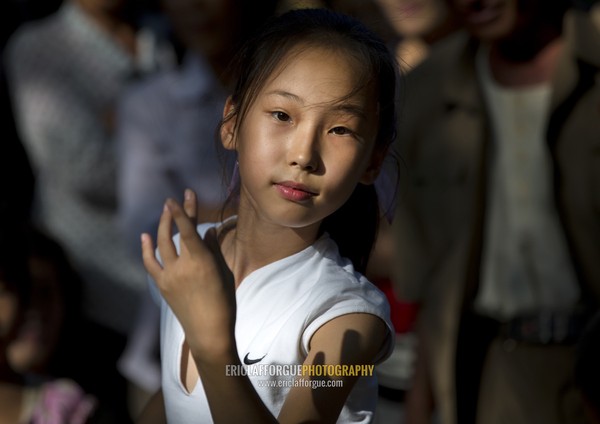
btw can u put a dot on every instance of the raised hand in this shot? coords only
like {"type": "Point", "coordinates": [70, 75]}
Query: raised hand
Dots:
{"type": "Point", "coordinates": [195, 282]}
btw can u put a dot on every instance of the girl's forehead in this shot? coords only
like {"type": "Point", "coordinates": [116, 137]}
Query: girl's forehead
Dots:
{"type": "Point", "coordinates": [317, 56]}
{"type": "Point", "coordinates": [308, 68]}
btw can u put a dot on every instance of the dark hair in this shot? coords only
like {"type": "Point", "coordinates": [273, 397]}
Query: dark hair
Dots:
{"type": "Point", "coordinates": [14, 275]}
{"type": "Point", "coordinates": [67, 282]}
{"type": "Point", "coordinates": [354, 225]}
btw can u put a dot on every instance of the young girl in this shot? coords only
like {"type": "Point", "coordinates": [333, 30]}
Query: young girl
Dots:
{"type": "Point", "coordinates": [311, 119]}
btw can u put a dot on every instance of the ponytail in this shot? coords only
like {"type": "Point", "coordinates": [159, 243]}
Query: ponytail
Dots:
{"type": "Point", "coordinates": [354, 226]}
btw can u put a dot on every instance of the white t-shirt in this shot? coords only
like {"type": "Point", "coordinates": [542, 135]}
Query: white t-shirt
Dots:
{"type": "Point", "coordinates": [279, 308]}
{"type": "Point", "coordinates": [526, 265]}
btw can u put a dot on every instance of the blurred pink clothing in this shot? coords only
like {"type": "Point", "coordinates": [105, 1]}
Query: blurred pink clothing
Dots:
{"type": "Point", "coordinates": [57, 402]}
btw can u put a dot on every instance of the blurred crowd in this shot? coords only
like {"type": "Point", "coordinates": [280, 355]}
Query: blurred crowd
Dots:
{"type": "Point", "coordinates": [491, 262]}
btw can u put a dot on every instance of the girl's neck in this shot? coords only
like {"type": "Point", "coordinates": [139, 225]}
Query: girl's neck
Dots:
{"type": "Point", "coordinates": [250, 244]}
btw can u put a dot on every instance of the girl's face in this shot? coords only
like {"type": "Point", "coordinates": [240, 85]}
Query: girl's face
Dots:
{"type": "Point", "coordinates": [301, 148]}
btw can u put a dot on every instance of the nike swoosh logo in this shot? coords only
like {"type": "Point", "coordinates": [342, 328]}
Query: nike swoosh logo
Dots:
{"type": "Point", "coordinates": [249, 361]}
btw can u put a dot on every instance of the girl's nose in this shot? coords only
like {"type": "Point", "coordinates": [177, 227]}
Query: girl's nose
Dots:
{"type": "Point", "coordinates": [303, 150]}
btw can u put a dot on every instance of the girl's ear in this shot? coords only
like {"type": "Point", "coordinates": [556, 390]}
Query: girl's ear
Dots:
{"type": "Point", "coordinates": [228, 127]}
{"type": "Point", "coordinates": [372, 172]}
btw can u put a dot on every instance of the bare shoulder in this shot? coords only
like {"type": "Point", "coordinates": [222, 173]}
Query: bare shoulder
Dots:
{"type": "Point", "coordinates": [353, 341]}
{"type": "Point", "coordinates": [353, 338]}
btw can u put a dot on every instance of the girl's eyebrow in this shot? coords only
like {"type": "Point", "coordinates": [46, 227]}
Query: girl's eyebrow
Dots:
{"type": "Point", "coordinates": [340, 106]}
{"type": "Point", "coordinates": [286, 94]}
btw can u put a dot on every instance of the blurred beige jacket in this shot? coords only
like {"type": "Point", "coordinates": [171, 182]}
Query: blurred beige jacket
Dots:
{"type": "Point", "coordinates": [444, 139]}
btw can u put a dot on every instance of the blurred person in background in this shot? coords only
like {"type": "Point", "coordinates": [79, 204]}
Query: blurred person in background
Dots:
{"type": "Point", "coordinates": [65, 73]}
{"type": "Point", "coordinates": [38, 303]}
{"type": "Point", "coordinates": [166, 140]}
{"type": "Point", "coordinates": [46, 341]}
{"type": "Point", "coordinates": [498, 231]}
{"type": "Point", "coordinates": [417, 26]}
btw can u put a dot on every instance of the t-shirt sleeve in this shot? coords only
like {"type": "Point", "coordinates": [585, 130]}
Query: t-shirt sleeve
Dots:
{"type": "Point", "coordinates": [358, 297]}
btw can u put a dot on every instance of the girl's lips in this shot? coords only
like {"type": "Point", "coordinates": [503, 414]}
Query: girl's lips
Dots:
{"type": "Point", "coordinates": [294, 191]}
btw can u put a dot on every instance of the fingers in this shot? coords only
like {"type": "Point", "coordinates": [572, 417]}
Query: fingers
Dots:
{"type": "Point", "coordinates": [190, 204]}
{"type": "Point", "coordinates": [164, 235]}
{"type": "Point", "coordinates": [150, 262]}
{"type": "Point", "coordinates": [185, 220]}
{"type": "Point", "coordinates": [190, 240]}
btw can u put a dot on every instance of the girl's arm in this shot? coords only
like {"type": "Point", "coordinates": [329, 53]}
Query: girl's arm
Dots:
{"type": "Point", "coordinates": [200, 289]}
{"type": "Point", "coordinates": [154, 411]}
{"type": "Point", "coordinates": [352, 339]}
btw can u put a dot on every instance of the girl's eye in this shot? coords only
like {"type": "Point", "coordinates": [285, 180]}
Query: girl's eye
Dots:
{"type": "Point", "coordinates": [281, 116]}
{"type": "Point", "coordinates": [340, 131]}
